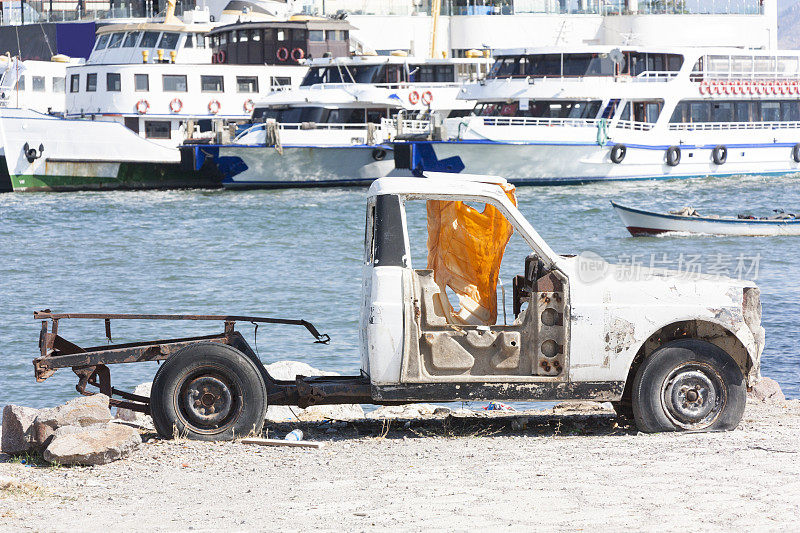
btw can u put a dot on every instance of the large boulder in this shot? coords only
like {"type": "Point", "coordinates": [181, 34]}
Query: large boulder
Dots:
{"type": "Point", "coordinates": [82, 411]}
{"type": "Point", "coordinates": [135, 417]}
{"type": "Point", "coordinates": [766, 390]}
{"type": "Point", "coordinates": [288, 371]}
{"type": "Point", "coordinates": [91, 445]}
{"type": "Point", "coordinates": [17, 422]}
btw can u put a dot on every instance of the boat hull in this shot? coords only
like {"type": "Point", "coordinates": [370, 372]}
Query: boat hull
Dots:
{"type": "Point", "coordinates": [574, 163]}
{"type": "Point", "coordinates": [645, 223]}
{"type": "Point", "coordinates": [254, 166]}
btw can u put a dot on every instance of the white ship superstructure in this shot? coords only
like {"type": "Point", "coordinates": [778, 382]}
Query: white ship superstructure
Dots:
{"type": "Point", "coordinates": [595, 113]}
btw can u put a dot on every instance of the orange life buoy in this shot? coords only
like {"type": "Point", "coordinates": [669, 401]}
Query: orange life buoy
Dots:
{"type": "Point", "coordinates": [427, 98]}
{"type": "Point", "coordinates": [298, 54]}
{"type": "Point", "coordinates": [214, 107]}
{"type": "Point", "coordinates": [413, 97]}
{"type": "Point", "coordinates": [142, 106]}
{"type": "Point", "coordinates": [248, 106]}
{"type": "Point", "coordinates": [221, 58]}
{"type": "Point", "coordinates": [176, 105]}
{"type": "Point", "coordinates": [282, 54]}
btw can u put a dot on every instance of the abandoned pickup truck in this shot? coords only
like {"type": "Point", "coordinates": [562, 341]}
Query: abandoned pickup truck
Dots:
{"type": "Point", "coordinates": [675, 352]}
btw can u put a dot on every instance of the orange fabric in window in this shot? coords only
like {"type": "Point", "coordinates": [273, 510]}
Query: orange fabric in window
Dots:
{"type": "Point", "coordinates": [465, 249]}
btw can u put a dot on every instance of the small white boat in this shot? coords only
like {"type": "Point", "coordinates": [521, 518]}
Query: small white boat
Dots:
{"type": "Point", "coordinates": [641, 223]}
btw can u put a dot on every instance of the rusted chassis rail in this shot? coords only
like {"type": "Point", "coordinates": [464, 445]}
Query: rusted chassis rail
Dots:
{"type": "Point", "coordinates": [91, 364]}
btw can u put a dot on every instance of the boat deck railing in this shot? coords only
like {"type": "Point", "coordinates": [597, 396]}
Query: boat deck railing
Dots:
{"type": "Point", "coordinates": [534, 121]}
{"type": "Point", "coordinates": [722, 126]}
{"type": "Point", "coordinates": [406, 126]}
{"type": "Point", "coordinates": [633, 125]}
{"type": "Point", "coordinates": [393, 86]}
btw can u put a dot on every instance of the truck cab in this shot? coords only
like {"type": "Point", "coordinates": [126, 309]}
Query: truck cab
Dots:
{"type": "Point", "coordinates": [582, 329]}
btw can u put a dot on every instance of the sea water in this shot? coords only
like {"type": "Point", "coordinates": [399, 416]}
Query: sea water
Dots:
{"type": "Point", "coordinates": [298, 253]}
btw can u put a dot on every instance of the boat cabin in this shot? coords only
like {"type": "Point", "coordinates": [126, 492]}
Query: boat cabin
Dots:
{"type": "Point", "coordinates": [290, 42]}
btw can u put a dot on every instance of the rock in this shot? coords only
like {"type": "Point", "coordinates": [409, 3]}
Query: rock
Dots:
{"type": "Point", "coordinates": [91, 445]}
{"type": "Point", "coordinates": [135, 417]}
{"type": "Point", "coordinates": [82, 411]}
{"type": "Point", "coordinates": [414, 410]}
{"type": "Point", "coordinates": [17, 422]}
{"type": "Point", "coordinates": [578, 406]}
{"type": "Point", "coordinates": [289, 370]}
{"type": "Point", "coordinates": [766, 390]}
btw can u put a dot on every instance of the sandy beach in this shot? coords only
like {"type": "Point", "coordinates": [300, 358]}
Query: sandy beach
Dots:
{"type": "Point", "coordinates": [565, 471]}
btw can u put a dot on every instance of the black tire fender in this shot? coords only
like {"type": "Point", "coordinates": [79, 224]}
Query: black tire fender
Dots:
{"type": "Point", "coordinates": [208, 368]}
{"type": "Point", "coordinates": [673, 156]}
{"type": "Point", "coordinates": [796, 153]}
{"type": "Point", "coordinates": [618, 153]}
{"type": "Point", "coordinates": [719, 154]}
{"type": "Point", "coordinates": [378, 154]}
{"type": "Point", "coordinates": [660, 393]}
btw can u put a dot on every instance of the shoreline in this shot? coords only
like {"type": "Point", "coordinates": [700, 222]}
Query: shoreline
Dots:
{"type": "Point", "coordinates": [566, 471]}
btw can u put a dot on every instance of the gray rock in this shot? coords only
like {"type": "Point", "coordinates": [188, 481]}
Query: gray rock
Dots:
{"type": "Point", "coordinates": [91, 445]}
{"type": "Point", "coordinates": [766, 390]}
{"type": "Point", "coordinates": [82, 411]}
{"type": "Point", "coordinates": [289, 370]}
{"type": "Point", "coordinates": [414, 410]}
{"type": "Point", "coordinates": [579, 406]}
{"type": "Point", "coordinates": [17, 422]}
{"type": "Point", "coordinates": [135, 417]}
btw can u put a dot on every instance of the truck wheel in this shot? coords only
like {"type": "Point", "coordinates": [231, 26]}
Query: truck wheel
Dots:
{"type": "Point", "coordinates": [688, 385]}
{"type": "Point", "coordinates": [208, 391]}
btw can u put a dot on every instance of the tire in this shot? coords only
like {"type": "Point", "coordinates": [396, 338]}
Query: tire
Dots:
{"type": "Point", "coordinates": [662, 389]}
{"type": "Point", "coordinates": [219, 379]}
{"type": "Point", "coordinates": [618, 153]}
{"type": "Point", "coordinates": [378, 154]}
{"type": "Point", "coordinates": [796, 153]}
{"type": "Point", "coordinates": [719, 154]}
{"type": "Point", "coordinates": [673, 156]}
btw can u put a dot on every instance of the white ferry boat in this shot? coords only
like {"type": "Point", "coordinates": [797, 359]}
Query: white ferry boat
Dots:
{"type": "Point", "coordinates": [547, 116]}
{"type": "Point", "coordinates": [334, 128]}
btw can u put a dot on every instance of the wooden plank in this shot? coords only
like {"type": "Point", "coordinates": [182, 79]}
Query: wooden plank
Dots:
{"type": "Point", "coordinates": [281, 442]}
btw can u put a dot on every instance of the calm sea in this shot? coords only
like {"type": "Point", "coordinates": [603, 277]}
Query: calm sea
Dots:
{"type": "Point", "coordinates": [297, 254]}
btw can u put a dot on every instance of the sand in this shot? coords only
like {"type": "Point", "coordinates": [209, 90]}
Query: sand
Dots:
{"type": "Point", "coordinates": [559, 472]}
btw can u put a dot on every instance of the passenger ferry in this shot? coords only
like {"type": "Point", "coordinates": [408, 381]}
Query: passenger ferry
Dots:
{"type": "Point", "coordinates": [334, 128]}
{"type": "Point", "coordinates": [547, 116]}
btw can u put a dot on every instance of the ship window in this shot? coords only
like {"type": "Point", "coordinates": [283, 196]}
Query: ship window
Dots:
{"type": "Point", "coordinates": [745, 111]}
{"type": "Point", "coordinates": [300, 35]}
{"type": "Point", "coordinates": [243, 36]}
{"type": "Point", "coordinates": [91, 82]}
{"type": "Point", "coordinates": [37, 84]}
{"type": "Point", "coordinates": [644, 111]}
{"type": "Point", "coordinates": [770, 111]}
{"type": "Point", "coordinates": [279, 81]}
{"type": "Point", "coordinates": [255, 35]}
{"type": "Point", "coordinates": [150, 39]}
{"type": "Point", "coordinates": [20, 86]}
{"type": "Point", "coordinates": [174, 82]}
{"type": "Point", "coordinates": [281, 35]}
{"type": "Point", "coordinates": [200, 40]}
{"type": "Point", "coordinates": [223, 38]}
{"type": "Point", "coordinates": [212, 84]}
{"type": "Point", "coordinates": [102, 41]}
{"type": "Point", "coordinates": [790, 111]}
{"type": "Point", "coordinates": [74, 83]}
{"type": "Point", "coordinates": [189, 41]}
{"type": "Point", "coordinates": [130, 39]}
{"type": "Point", "coordinates": [247, 84]}
{"type": "Point", "coordinates": [113, 82]}
{"type": "Point", "coordinates": [788, 66]}
{"type": "Point", "coordinates": [722, 112]}
{"type": "Point", "coordinates": [169, 41]}
{"type": "Point", "coordinates": [157, 129]}
{"type": "Point", "coordinates": [316, 35]}
{"type": "Point", "coordinates": [141, 82]}
{"type": "Point", "coordinates": [116, 40]}
{"type": "Point", "coordinates": [59, 84]}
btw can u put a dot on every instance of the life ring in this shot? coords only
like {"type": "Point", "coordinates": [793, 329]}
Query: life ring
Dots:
{"type": "Point", "coordinates": [282, 54]}
{"type": "Point", "coordinates": [214, 107]}
{"type": "Point", "coordinates": [796, 153]}
{"type": "Point", "coordinates": [379, 154]}
{"type": "Point", "coordinates": [773, 87]}
{"type": "Point", "coordinates": [726, 88]}
{"type": "Point", "coordinates": [703, 87]}
{"type": "Point", "coordinates": [673, 156]}
{"type": "Point", "coordinates": [413, 97]}
{"type": "Point", "coordinates": [618, 153]}
{"type": "Point", "coordinates": [750, 88]}
{"type": "Point", "coordinates": [142, 106]}
{"type": "Point", "coordinates": [298, 54]}
{"type": "Point", "coordinates": [426, 98]}
{"type": "Point", "coordinates": [221, 56]}
{"type": "Point", "coordinates": [176, 105]}
{"type": "Point", "coordinates": [719, 154]}
{"type": "Point", "coordinates": [248, 106]}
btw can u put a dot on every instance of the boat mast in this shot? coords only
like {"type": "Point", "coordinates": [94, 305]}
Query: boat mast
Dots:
{"type": "Point", "coordinates": [436, 6]}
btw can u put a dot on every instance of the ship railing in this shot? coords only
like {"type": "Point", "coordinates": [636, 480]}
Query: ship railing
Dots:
{"type": "Point", "coordinates": [724, 126]}
{"type": "Point", "coordinates": [718, 75]}
{"type": "Point", "coordinates": [304, 126]}
{"type": "Point", "coordinates": [656, 75]}
{"type": "Point", "coordinates": [534, 121]}
{"type": "Point", "coordinates": [633, 125]}
{"type": "Point", "coordinates": [394, 86]}
{"type": "Point", "coordinates": [406, 126]}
